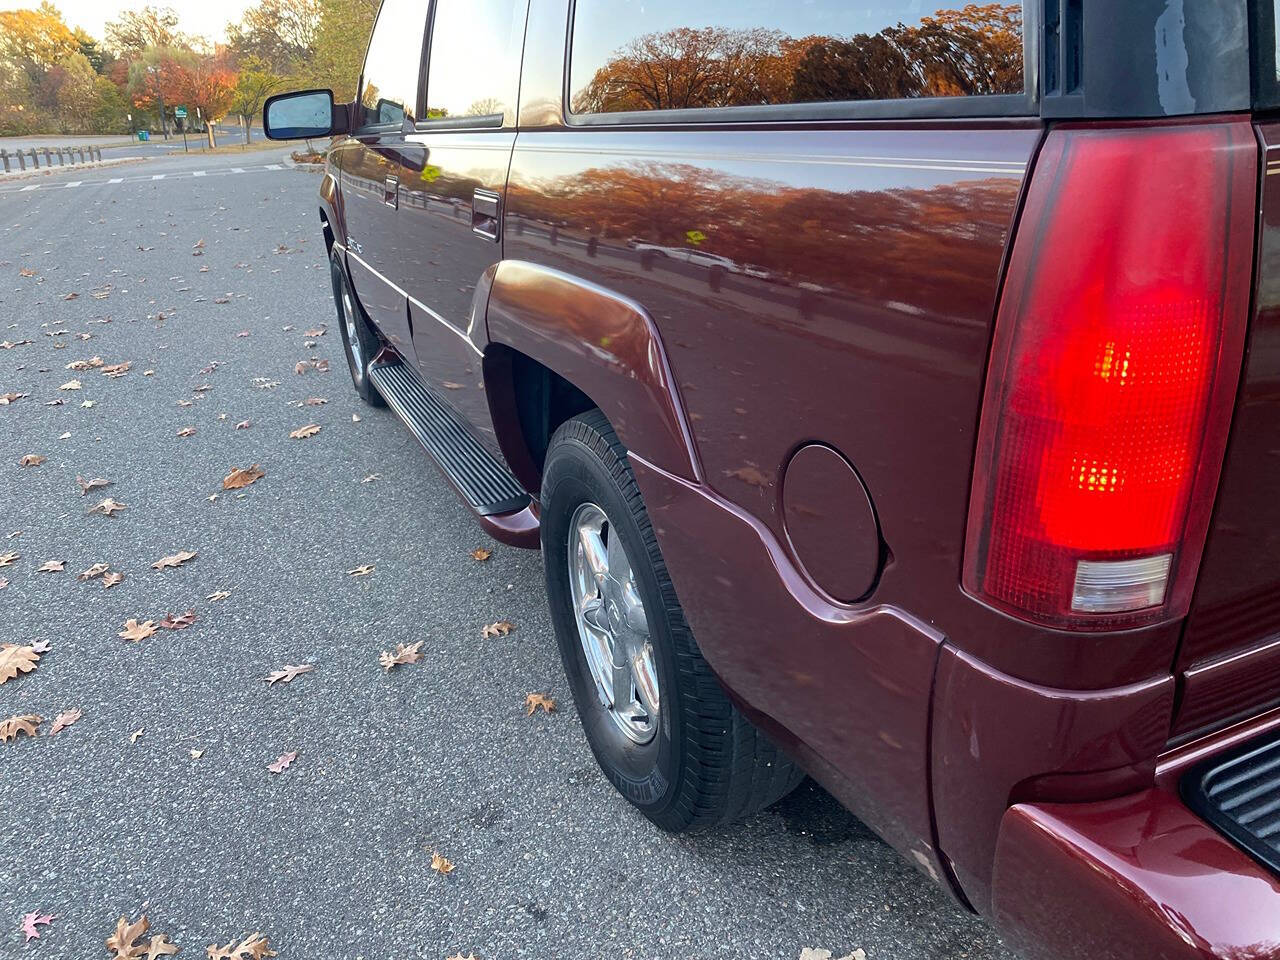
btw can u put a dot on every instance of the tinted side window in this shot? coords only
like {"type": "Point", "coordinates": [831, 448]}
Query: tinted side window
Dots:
{"type": "Point", "coordinates": [672, 54]}
{"type": "Point", "coordinates": [389, 83]}
{"type": "Point", "coordinates": [475, 49]}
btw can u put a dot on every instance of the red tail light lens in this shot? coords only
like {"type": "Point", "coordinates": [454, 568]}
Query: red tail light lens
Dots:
{"type": "Point", "coordinates": [1117, 351]}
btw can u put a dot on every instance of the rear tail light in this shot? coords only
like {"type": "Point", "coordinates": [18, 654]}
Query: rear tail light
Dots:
{"type": "Point", "coordinates": [1117, 351]}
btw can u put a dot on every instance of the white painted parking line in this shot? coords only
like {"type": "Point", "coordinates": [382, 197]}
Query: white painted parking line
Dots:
{"type": "Point", "coordinates": [34, 186]}
{"type": "Point", "coordinates": [116, 180]}
{"type": "Point", "coordinates": [198, 173]}
{"type": "Point", "coordinates": [72, 183]}
{"type": "Point", "coordinates": [237, 169]}
{"type": "Point", "coordinates": [274, 166]}
{"type": "Point", "coordinates": [157, 176]}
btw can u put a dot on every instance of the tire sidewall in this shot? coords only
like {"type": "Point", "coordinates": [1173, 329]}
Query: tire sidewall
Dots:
{"type": "Point", "coordinates": [646, 774]}
{"type": "Point", "coordinates": [368, 342]}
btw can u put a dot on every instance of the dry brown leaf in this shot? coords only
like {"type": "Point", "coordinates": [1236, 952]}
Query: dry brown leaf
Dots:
{"type": "Point", "coordinates": [15, 659]}
{"type": "Point", "coordinates": [93, 484]}
{"type": "Point", "coordinates": [218, 595]}
{"type": "Point", "coordinates": [180, 622]}
{"type": "Point", "coordinates": [481, 554]}
{"type": "Point", "coordinates": [6, 559]}
{"type": "Point", "coordinates": [187, 432]}
{"type": "Point", "coordinates": [34, 919]}
{"type": "Point", "coordinates": [288, 673]}
{"type": "Point", "coordinates": [253, 947]}
{"type": "Point", "coordinates": [71, 296]}
{"type": "Point", "coordinates": [110, 579]}
{"type": "Point", "coordinates": [52, 566]}
{"type": "Point", "coordinates": [134, 631]}
{"type": "Point", "coordinates": [64, 720]}
{"type": "Point", "coordinates": [441, 864]}
{"type": "Point", "coordinates": [97, 570]}
{"type": "Point", "coordinates": [108, 507]}
{"type": "Point", "coordinates": [315, 401]}
{"type": "Point", "coordinates": [310, 430]}
{"type": "Point", "coordinates": [32, 460]}
{"type": "Point", "coordinates": [402, 654]}
{"type": "Point", "coordinates": [282, 762]}
{"type": "Point", "coordinates": [243, 425]}
{"type": "Point", "coordinates": [314, 332]}
{"type": "Point", "coordinates": [70, 385]}
{"type": "Point", "coordinates": [362, 571]}
{"type": "Point", "coordinates": [174, 559]}
{"type": "Point", "coordinates": [137, 734]}
{"type": "Point", "coordinates": [117, 369]}
{"type": "Point", "coordinates": [85, 364]}
{"type": "Point", "coordinates": [26, 272]}
{"type": "Point", "coordinates": [160, 946]}
{"type": "Point", "coordinates": [459, 956]}
{"type": "Point", "coordinates": [532, 701]}
{"type": "Point", "coordinates": [196, 754]}
{"type": "Point", "coordinates": [499, 629]}
{"type": "Point", "coordinates": [371, 478]}
{"type": "Point", "coordinates": [25, 723]}
{"type": "Point", "coordinates": [123, 944]}
{"type": "Point", "coordinates": [8, 398]}
{"type": "Point", "coordinates": [238, 478]}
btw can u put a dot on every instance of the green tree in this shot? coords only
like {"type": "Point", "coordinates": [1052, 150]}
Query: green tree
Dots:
{"type": "Point", "coordinates": [137, 30]}
{"type": "Point", "coordinates": [278, 34]}
{"type": "Point", "coordinates": [341, 40]}
{"type": "Point", "coordinates": [254, 84]}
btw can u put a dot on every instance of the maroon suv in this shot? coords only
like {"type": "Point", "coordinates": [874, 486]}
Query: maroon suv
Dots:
{"type": "Point", "coordinates": [896, 385]}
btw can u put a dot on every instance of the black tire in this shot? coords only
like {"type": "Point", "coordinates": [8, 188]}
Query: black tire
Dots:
{"type": "Point", "coordinates": [358, 360]}
{"type": "Point", "coordinates": [706, 764]}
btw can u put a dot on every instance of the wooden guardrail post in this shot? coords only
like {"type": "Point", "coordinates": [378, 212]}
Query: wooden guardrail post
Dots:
{"type": "Point", "coordinates": [35, 160]}
{"type": "Point", "coordinates": [4, 158]}
{"type": "Point", "coordinates": [22, 164]}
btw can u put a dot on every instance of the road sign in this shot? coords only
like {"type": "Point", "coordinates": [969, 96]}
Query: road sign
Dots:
{"type": "Point", "coordinates": [180, 112]}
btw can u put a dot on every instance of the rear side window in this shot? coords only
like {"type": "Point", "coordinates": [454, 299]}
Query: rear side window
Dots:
{"type": "Point", "coordinates": [389, 82]}
{"type": "Point", "coordinates": [475, 48]}
{"type": "Point", "coordinates": [676, 54]}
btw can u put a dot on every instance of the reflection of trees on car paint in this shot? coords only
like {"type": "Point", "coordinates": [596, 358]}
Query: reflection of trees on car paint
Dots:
{"type": "Point", "coordinates": [972, 51]}
{"type": "Point", "coordinates": [764, 228]}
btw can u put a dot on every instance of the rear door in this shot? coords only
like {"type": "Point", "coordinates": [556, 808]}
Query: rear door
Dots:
{"type": "Point", "coordinates": [370, 164]}
{"type": "Point", "coordinates": [453, 178]}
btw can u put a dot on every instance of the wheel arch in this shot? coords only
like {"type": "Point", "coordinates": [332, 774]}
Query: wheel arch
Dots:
{"type": "Point", "coordinates": [559, 345]}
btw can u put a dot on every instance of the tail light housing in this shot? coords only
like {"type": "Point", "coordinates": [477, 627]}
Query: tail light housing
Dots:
{"type": "Point", "coordinates": [1116, 356]}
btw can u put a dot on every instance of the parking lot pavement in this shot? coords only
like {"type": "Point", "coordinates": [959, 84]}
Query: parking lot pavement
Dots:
{"type": "Point", "coordinates": [159, 798]}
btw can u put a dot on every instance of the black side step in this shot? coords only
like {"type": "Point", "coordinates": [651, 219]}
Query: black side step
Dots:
{"type": "Point", "coordinates": [483, 481]}
{"type": "Point", "coordinates": [1239, 793]}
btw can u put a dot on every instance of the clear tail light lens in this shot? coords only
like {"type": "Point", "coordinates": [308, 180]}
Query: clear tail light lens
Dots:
{"type": "Point", "coordinates": [1116, 357]}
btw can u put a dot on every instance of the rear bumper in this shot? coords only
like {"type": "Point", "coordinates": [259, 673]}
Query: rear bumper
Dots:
{"type": "Point", "coordinates": [1139, 876]}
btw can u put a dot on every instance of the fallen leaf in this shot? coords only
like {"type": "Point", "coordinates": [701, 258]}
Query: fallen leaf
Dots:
{"type": "Point", "coordinates": [174, 560]}
{"type": "Point", "coordinates": [371, 478]}
{"type": "Point", "coordinates": [253, 947]}
{"type": "Point", "coordinates": [282, 762]}
{"type": "Point", "coordinates": [117, 369]}
{"type": "Point", "coordinates": [243, 425]}
{"type": "Point", "coordinates": [26, 272]}
{"type": "Point", "coordinates": [441, 864]}
{"type": "Point", "coordinates": [109, 580]}
{"type": "Point", "coordinates": [134, 631]}
{"type": "Point", "coordinates": [107, 507]}
{"type": "Point", "coordinates": [218, 595]}
{"type": "Point", "coordinates": [288, 673]}
{"type": "Point", "coordinates": [33, 919]}
{"type": "Point", "coordinates": [7, 559]}
{"type": "Point", "coordinates": [160, 946]}
{"type": "Point", "coordinates": [532, 701]}
{"type": "Point", "coordinates": [32, 460]}
{"type": "Point", "coordinates": [187, 432]}
{"type": "Point", "coordinates": [87, 485]}
{"type": "Point", "coordinates": [196, 754]}
{"type": "Point", "coordinates": [97, 570]}
{"type": "Point", "coordinates": [315, 401]}
{"type": "Point", "coordinates": [70, 385]}
{"type": "Point", "coordinates": [363, 570]}
{"type": "Point", "coordinates": [85, 364]}
{"type": "Point", "coordinates": [310, 430]}
{"type": "Point", "coordinates": [180, 622]}
{"type": "Point", "coordinates": [314, 332]}
{"type": "Point", "coordinates": [27, 723]}
{"type": "Point", "coordinates": [221, 299]}
{"type": "Point", "coordinates": [71, 296]}
{"type": "Point", "coordinates": [15, 659]}
{"type": "Point", "coordinates": [52, 566]}
{"type": "Point", "coordinates": [137, 734]}
{"type": "Point", "coordinates": [402, 654]}
{"type": "Point", "coordinates": [123, 943]}
{"type": "Point", "coordinates": [481, 554]}
{"type": "Point", "coordinates": [238, 478]}
{"type": "Point", "coordinates": [8, 398]}
{"type": "Point", "coordinates": [355, 418]}
{"type": "Point", "coordinates": [499, 629]}
{"type": "Point", "coordinates": [809, 953]}
{"type": "Point", "coordinates": [459, 956]}
{"type": "Point", "coordinates": [64, 720]}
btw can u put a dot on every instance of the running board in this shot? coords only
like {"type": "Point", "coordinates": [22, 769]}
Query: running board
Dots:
{"type": "Point", "coordinates": [484, 483]}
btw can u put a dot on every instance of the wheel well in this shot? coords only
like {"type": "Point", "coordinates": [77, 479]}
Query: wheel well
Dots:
{"type": "Point", "coordinates": [529, 402]}
{"type": "Point", "coordinates": [328, 232]}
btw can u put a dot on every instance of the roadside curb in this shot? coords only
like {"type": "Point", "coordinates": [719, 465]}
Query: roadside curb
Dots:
{"type": "Point", "coordinates": [68, 168]}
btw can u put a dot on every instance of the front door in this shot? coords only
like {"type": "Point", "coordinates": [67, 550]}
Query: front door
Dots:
{"type": "Point", "coordinates": [370, 165]}
{"type": "Point", "coordinates": [453, 176]}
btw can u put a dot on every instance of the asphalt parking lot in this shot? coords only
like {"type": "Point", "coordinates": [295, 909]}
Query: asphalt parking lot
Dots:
{"type": "Point", "coordinates": [212, 286]}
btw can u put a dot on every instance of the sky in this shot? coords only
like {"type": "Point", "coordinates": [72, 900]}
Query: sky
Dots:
{"type": "Point", "coordinates": [195, 16]}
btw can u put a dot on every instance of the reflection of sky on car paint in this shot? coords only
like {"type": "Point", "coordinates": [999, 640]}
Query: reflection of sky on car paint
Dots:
{"type": "Point", "coordinates": [596, 28]}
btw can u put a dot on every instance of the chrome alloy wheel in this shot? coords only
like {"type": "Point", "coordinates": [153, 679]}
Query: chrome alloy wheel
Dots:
{"type": "Point", "coordinates": [349, 322]}
{"type": "Point", "coordinates": [612, 625]}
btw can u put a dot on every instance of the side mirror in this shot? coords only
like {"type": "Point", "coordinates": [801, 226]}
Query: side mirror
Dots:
{"type": "Point", "coordinates": [301, 115]}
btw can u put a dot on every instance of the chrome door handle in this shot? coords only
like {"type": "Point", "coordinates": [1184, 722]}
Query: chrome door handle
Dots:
{"type": "Point", "coordinates": [486, 210]}
{"type": "Point", "coordinates": [391, 192]}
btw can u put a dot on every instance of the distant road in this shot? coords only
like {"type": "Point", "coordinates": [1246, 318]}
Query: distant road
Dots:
{"type": "Point", "coordinates": [116, 145]}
